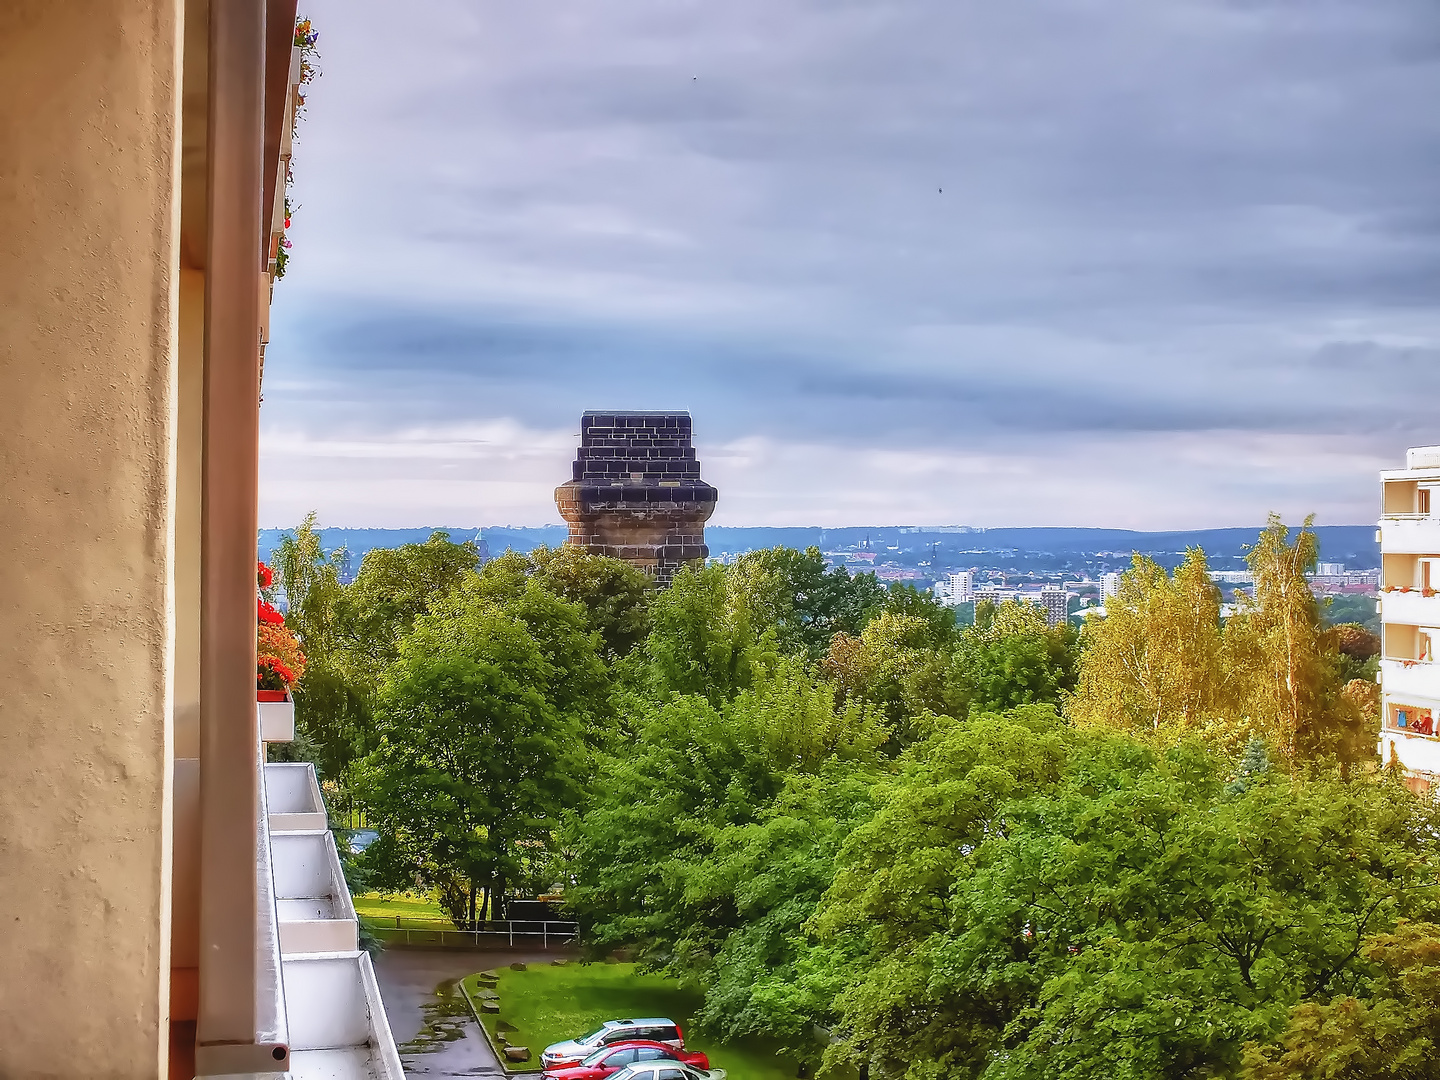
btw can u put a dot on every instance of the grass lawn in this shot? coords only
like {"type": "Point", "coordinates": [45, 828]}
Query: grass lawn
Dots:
{"type": "Point", "coordinates": [547, 1004]}
{"type": "Point", "coordinates": [414, 911]}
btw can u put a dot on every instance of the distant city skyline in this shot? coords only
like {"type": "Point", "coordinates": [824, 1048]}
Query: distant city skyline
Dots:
{"type": "Point", "coordinates": [1153, 265]}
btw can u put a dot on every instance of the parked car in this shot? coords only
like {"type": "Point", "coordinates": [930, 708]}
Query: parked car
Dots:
{"type": "Point", "coordinates": [613, 1058]}
{"type": "Point", "coordinates": [666, 1070]}
{"type": "Point", "coordinates": [650, 1029]}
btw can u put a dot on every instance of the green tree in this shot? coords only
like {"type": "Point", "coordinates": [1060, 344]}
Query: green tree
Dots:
{"type": "Point", "coordinates": [804, 603]}
{"type": "Point", "coordinates": [615, 595]}
{"type": "Point", "coordinates": [708, 839]}
{"type": "Point", "coordinates": [1036, 901]}
{"type": "Point", "coordinates": [700, 643]}
{"type": "Point", "coordinates": [903, 599]}
{"type": "Point", "coordinates": [1392, 1034]}
{"type": "Point", "coordinates": [1012, 658]}
{"type": "Point", "coordinates": [333, 698]}
{"type": "Point", "coordinates": [394, 587]}
{"type": "Point", "coordinates": [476, 755]}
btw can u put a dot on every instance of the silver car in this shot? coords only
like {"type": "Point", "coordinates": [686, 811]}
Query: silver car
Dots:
{"type": "Point", "coordinates": [665, 1070]}
{"type": "Point", "coordinates": [651, 1029]}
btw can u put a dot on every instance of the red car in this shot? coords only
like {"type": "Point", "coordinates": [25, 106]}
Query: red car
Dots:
{"type": "Point", "coordinates": [613, 1058]}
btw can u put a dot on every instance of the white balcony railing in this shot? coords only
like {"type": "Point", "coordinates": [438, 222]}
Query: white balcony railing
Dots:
{"type": "Point", "coordinates": [1418, 753]}
{"type": "Point", "coordinates": [316, 913]}
{"type": "Point", "coordinates": [338, 1027]}
{"type": "Point", "coordinates": [1410, 534]}
{"type": "Point", "coordinates": [293, 794]}
{"type": "Point", "coordinates": [325, 1004]}
{"type": "Point", "coordinates": [1415, 680]}
{"type": "Point", "coordinates": [1410, 608]}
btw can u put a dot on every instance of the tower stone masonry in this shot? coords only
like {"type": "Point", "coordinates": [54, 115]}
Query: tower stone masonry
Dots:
{"type": "Point", "coordinates": [636, 493]}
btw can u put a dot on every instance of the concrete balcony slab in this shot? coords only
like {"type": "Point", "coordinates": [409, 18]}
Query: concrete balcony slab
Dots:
{"type": "Point", "coordinates": [1410, 534]}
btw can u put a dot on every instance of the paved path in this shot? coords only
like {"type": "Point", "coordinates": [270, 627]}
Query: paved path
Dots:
{"type": "Point", "coordinates": [432, 1023]}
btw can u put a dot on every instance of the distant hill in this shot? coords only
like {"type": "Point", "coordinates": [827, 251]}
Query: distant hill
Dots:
{"type": "Point", "coordinates": [1353, 545]}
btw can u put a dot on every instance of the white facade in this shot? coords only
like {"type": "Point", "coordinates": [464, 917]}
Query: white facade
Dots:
{"type": "Point", "coordinates": [962, 587]}
{"type": "Point", "coordinates": [1409, 536]}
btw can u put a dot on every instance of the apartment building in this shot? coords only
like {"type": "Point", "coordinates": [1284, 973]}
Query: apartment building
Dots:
{"type": "Point", "coordinates": [1056, 605]}
{"type": "Point", "coordinates": [173, 907]}
{"type": "Point", "coordinates": [1409, 538]}
{"type": "Point", "coordinates": [1109, 585]}
{"type": "Point", "coordinates": [956, 588]}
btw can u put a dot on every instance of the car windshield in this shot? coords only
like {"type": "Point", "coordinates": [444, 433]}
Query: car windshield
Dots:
{"type": "Point", "coordinates": [592, 1038]}
{"type": "Point", "coordinates": [599, 1055]}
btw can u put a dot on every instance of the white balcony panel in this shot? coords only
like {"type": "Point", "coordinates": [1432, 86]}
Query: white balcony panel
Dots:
{"type": "Point", "coordinates": [318, 936]}
{"type": "Point", "coordinates": [338, 1029]}
{"type": "Point", "coordinates": [1419, 683]}
{"type": "Point", "coordinates": [313, 903]}
{"type": "Point", "coordinates": [326, 999]}
{"type": "Point", "coordinates": [293, 793]}
{"type": "Point", "coordinates": [1411, 534]}
{"type": "Point", "coordinates": [277, 721]}
{"type": "Point", "coordinates": [1418, 753]}
{"type": "Point", "coordinates": [350, 1064]}
{"type": "Point", "coordinates": [1412, 608]}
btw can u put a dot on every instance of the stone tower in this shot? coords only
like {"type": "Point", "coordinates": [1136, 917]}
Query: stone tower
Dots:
{"type": "Point", "coordinates": [637, 493]}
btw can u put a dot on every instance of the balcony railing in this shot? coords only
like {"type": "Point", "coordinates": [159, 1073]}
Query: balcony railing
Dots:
{"type": "Point", "coordinates": [1410, 678]}
{"type": "Point", "coordinates": [317, 998]}
{"type": "Point", "coordinates": [1410, 534]}
{"type": "Point", "coordinates": [1412, 608]}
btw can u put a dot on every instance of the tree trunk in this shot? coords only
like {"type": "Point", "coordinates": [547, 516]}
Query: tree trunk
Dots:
{"type": "Point", "coordinates": [472, 903]}
{"type": "Point", "coordinates": [497, 898]}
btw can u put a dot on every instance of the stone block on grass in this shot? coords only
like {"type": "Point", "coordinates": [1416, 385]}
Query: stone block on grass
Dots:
{"type": "Point", "coordinates": [517, 966]}
{"type": "Point", "coordinates": [517, 1053]}
{"type": "Point", "coordinates": [490, 1006]}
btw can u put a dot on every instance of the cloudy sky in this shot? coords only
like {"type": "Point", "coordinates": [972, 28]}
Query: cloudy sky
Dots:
{"type": "Point", "coordinates": [1131, 263]}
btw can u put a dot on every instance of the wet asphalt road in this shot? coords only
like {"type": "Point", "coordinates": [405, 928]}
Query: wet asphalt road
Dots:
{"type": "Point", "coordinates": [433, 1027]}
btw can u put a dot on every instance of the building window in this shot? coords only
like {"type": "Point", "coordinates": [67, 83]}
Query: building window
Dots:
{"type": "Point", "coordinates": [1411, 720]}
{"type": "Point", "coordinates": [1423, 503]}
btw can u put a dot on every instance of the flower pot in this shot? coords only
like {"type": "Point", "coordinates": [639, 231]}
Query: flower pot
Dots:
{"type": "Point", "coordinates": [272, 695]}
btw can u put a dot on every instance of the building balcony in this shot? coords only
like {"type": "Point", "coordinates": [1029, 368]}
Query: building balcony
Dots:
{"type": "Point", "coordinates": [1406, 679]}
{"type": "Point", "coordinates": [1417, 753]}
{"type": "Point", "coordinates": [1410, 534]}
{"type": "Point", "coordinates": [1410, 608]}
{"type": "Point", "coordinates": [292, 793]}
{"type": "Point", "coordinates": [338, 1028]}
{"type": "Point", "coordinates": [322, 1001]}
{"type": "Point", "coordinates": [315, 911]}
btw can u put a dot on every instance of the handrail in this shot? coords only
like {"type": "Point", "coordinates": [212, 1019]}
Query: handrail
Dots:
{"type": "Point", "coordinates": [272, 1025]}
{"type": "Point", "coordinates": [550, 934]}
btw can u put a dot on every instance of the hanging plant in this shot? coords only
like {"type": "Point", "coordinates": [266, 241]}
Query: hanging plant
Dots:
{"type": "Point", "coordinates": [306, 37]}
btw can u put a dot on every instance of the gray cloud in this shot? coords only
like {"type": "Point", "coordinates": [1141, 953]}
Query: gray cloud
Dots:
{"type": "Point", "coordinates": [1199, 218]}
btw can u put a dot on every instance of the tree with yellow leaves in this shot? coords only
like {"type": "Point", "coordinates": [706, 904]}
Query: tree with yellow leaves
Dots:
{"type": "Point", "coordinates": [1287, 661]}
{"type": "Point", "coordinates": [1154, 663]}
{"type": "Point", "coordinates": [1162, 663]}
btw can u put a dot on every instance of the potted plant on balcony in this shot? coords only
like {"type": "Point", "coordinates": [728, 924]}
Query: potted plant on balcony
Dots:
{"type": "Point", "coordinates": [279, 661]}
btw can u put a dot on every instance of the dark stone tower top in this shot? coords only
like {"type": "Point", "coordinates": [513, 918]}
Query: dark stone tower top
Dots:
{"type": "Point", "coordinates": [636, 492]}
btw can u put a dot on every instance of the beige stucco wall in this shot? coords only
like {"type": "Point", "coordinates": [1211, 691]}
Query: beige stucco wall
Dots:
{"type": "Point", "coordinates": [88, 220]}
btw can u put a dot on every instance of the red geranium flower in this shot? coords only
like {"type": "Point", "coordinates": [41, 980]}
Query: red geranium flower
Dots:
{"type": "Point", "coordinates": [264, 575]}
{"type": "Point", "coordinates": [267, 614]}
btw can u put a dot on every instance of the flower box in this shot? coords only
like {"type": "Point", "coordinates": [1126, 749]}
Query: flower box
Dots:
{"type": "Point", "coordinates": [272, 695]}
